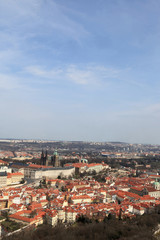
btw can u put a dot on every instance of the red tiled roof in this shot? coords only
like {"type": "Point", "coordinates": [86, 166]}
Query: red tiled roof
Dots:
{"type": "Point", "coordinates": [81, 197]}
{"type": "Point", "coordinates": [3, 162]}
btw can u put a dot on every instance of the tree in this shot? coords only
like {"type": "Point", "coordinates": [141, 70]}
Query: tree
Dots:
{"type": "Point", "coordinates": [22, 181]}
{"type": "Point", "coordinates": [33, 214]}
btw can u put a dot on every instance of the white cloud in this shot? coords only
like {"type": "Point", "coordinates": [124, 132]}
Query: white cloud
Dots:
{"type": "Point", "coordinates": [28, 18]}
{"type": "Point", "coordinates": [78, 76]}
{"type": "Point", "coordinates": [41, 72]}
{"type": "Point", "coordinates": [89, 75]}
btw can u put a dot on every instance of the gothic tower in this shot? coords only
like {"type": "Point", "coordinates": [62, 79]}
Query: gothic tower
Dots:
{"type": "Point", "coordinates": [44, 158]}
{"type": "Point", "coordinates": [56, 159]}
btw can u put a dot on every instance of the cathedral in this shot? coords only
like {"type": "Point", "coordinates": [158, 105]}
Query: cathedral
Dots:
{"type": "Point", "coordinates": [44, 158]}
{"type": "Point", "coordinates": [54, 159]}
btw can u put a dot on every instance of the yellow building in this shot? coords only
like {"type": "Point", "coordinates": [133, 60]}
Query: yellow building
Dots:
{"type": "Point", "coordinates": [3, 179]}
{"type": "Point", "coordinates": [14, 178]}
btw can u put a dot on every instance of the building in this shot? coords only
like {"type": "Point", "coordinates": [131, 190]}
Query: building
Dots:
{"type": "Point", "coordinates": [14, 178]}
{"type": "Point", "coordinates": [34, 171]}
{"type": "Point", "coordinates": [52, 217]}
{"type": "Point", "coordinates": [81, 199]}
{"type": "Point", "coordinates": [3, 163]}
{"type": "Point", "coordinates": [44, 158]}
{"type": "Point", "coordinates": [18, 167]}
{"type": "Point", "coordinates": [3, 203]}
{"type": "Point", "coordinates": [3, 179]}
{"type": "Point", "coordinates": [94, 167]}
{"type": "Point", "coordinates": [55, 159]}
{"type": "Point", "coordinates": [5, 169]}
{"type": "Point", "coordinates": [70, 215]}
{"type": "Point", "coordinates": [27, 217]}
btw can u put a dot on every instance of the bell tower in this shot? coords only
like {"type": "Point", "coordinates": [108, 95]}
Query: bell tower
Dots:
{"type": "Point", "coordinates": [56, 159]}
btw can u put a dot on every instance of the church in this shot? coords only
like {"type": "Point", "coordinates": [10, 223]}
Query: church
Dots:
{"type": "Point", "coordinates": [54, 159]}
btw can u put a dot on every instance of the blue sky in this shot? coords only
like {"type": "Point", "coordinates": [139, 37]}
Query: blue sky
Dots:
{"type": "Point", "coordinates": [80, 70]}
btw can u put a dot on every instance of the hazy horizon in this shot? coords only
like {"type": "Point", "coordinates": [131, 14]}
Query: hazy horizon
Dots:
{"type": "Point", "coordinates": [68, 140]}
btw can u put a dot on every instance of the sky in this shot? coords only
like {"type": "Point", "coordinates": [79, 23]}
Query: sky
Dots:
{"type": "Point", "coordinates": [80, 70]}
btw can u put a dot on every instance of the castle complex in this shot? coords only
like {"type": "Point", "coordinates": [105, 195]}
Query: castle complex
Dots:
{"type": "Point", "coordinates": [53, 162]}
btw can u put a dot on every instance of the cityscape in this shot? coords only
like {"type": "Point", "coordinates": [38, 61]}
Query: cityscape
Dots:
{"type": "Point", "coordinates": [79, 120]}
{"type": "Point", "coordinates": [58, 182]}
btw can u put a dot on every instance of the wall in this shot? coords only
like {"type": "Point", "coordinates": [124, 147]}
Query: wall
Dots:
{"type": "Point", "coordinates": [3, 181]}
{"type": "Point", "coordinates": [52, 173]}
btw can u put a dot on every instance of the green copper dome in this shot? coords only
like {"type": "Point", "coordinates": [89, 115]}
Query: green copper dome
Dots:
{"type": "Point", "coordinates": [55, 153]}
{"type": "Point", "coordinates": [156, 183]}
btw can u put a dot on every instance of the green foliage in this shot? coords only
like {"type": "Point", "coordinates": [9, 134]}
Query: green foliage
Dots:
{"type": "Point", "coordinates": [22, 181]}
{"type": "Point", "coordinates": [83, 219]}
{"type": "Point", "coordinates": [11, 226]}
{"type": "Point", "coordinates": [6, 215]}
{"type": "Point", "coordinates": [2, 217]}
{"type": "Point", "coordinates": [33, 214]}
{"type": "Point", "coordinates": [140, 227]}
